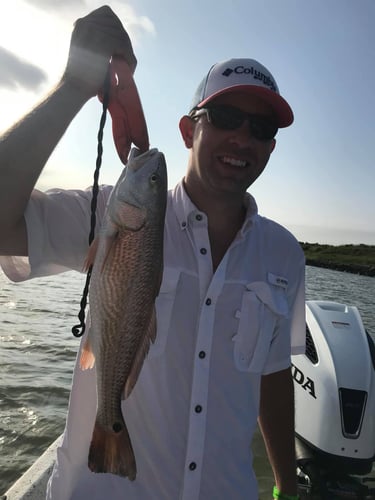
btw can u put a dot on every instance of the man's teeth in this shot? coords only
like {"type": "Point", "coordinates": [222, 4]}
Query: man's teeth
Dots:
{"type": "Point", "coordinates": [234, 162]}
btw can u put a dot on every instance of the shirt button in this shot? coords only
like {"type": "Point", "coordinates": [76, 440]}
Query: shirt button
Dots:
{"type": "Point", "coordinates": [183, 224]}
{"type": "Point", "coordinates": [203, 251]}
{"type": "Point", "coordinates": [202, 354]}
{"type": "Point", "coordinates": [208, 302]}
{"type": "Point", "coordinates": [199, 217]}
{"type": "Point", "coordinates": [198, 409]}
{"type": "Point", "coordinates": [192, 466]}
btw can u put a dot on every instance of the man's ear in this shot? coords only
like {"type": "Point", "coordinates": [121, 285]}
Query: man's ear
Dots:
{"type": "Point", "coordinates": [187, 126]}
{"type": "Point", "coordinates": [273, 144]}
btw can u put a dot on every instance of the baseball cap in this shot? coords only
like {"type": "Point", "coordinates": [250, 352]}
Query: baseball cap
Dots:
{"type": "Point", "coordinates": [246, 75]}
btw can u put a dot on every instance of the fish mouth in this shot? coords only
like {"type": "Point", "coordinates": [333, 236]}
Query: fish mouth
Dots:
{"type": "Point", "coordinates": [137, 158]}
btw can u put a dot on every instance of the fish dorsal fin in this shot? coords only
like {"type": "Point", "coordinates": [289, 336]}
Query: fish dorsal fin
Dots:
{"type": "Point", "coordinates": [141, 355]}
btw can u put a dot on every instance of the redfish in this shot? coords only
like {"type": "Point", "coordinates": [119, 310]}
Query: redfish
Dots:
{"type": "Point", "coordinates": [125, 282]}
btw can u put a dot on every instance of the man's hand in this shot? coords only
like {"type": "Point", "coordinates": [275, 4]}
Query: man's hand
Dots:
{"type": "Point", "coordinates": [95, 39]}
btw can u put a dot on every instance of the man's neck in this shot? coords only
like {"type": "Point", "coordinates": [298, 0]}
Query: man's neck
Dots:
{"type": "Point", "coordinates": [225, 215]}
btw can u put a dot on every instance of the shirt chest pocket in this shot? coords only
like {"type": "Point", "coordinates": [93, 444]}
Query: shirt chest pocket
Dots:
{"type": "Point", "coordinates": [262, 305]}
{"type": "Point", "coordinates": [164, 306]}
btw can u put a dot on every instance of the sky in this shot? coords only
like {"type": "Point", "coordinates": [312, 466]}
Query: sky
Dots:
{"type": "Point", "coordinates": [319, 182]}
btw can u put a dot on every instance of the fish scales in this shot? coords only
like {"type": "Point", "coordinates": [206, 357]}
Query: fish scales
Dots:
{"type": "Point", "coordinates": [124, 317]}
{"type": "Point", "coordinates": [125, 282]}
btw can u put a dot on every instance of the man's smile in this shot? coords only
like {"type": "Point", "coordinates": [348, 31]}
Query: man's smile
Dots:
{"type": "Point", "coordinates": [235, 162]}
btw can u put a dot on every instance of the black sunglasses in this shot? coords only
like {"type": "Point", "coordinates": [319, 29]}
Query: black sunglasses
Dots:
{"type": "Point", "coordinates": [263, 128]}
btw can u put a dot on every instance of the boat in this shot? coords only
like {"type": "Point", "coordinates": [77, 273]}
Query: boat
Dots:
{"type": "Point", "coordinates": [33, 483]}
{"type": "Point", "coordinates": [335, 412]}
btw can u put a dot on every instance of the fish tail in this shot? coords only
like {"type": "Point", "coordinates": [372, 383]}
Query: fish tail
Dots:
{"type": "Point", "coordinates": [111, 451]}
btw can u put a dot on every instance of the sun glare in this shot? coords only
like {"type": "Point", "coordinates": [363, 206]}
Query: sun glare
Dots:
{"type": "Point", "coordinates": [32, 35]}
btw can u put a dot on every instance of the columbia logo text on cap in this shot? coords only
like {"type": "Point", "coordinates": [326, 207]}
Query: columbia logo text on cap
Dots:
{"type": "Point", "coordinates": [258, 75]}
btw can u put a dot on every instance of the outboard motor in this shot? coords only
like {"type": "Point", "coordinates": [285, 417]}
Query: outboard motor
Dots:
{"type": "Point", "coordinates": [334, 386]}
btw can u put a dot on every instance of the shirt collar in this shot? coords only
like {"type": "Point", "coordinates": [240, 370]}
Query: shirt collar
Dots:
{"type": "Point", "coordinates": [251, 212]}
{"type": "Point", "coordinates": [184, 207]}
{"type": "Point", "coordinates": [182, 204]}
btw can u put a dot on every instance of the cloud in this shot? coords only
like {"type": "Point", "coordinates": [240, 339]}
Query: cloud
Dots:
{"type": "Point", "coordinates": [136, 25]}
{"type": "Point", "coordinates": [70, 10]}
{"type": "Point", "coordinates": [56, 6]}
{"type": "Point", "coordinates": [16, 72]}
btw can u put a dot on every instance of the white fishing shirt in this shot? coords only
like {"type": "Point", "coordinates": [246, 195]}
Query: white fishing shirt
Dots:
{"type": "Point", "coordinates": [193, 412]}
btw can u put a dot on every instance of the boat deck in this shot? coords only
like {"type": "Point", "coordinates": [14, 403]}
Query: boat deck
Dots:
{"type": "Point", "coordinates": [33, 483]}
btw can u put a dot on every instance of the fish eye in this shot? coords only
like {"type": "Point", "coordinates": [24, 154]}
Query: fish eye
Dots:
{"type": "Point", "coordinates": [153, 178]}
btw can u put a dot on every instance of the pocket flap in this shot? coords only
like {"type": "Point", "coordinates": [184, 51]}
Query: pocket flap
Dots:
{"type": "Point", "coordinates": [273, 297]}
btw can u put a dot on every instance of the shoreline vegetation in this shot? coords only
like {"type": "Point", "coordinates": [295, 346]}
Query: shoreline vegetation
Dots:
{"type": "Point", "coordinates": [356, 259]}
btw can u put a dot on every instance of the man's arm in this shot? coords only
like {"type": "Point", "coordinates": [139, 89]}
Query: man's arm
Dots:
{"type": "Point", "coordinates": [276, 422]}
{"type": "Point", "coordinates": [26, 147]}
{"type": "Point", "coordinates": [24, 150]}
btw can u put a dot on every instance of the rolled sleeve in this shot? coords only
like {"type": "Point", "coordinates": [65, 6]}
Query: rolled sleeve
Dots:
{"type": "Point", "coordinates": [58, 227]}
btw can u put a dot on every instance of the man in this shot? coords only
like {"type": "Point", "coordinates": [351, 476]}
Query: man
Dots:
{"type": "Point", "coordinates": [231, 301]}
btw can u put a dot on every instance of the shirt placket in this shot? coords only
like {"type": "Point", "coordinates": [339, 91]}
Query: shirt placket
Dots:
{"type": "Point", "coordinates": [210, 288]}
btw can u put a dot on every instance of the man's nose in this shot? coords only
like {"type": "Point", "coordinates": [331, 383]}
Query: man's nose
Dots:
{"type": "Point", "coordinates": [242, 135]}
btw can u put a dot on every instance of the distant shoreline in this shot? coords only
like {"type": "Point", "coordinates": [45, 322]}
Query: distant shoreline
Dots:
{"type": "Point", "coordinates": [355, 259]}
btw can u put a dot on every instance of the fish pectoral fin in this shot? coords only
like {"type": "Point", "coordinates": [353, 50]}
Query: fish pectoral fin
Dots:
{"type": "Point", "coordinates": [87, 359]}
{"type": "Point", "coordinates": [140, 356]}
{"type": "Point", "coordinates": [91, 254]}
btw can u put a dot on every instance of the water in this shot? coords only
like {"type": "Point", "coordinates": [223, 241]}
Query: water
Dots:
{"type": "Point", "coordinates": [37, 353]}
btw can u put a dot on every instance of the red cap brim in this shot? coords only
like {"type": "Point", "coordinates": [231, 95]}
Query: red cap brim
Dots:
{"type": "Point", "coordinates": [283, 111]}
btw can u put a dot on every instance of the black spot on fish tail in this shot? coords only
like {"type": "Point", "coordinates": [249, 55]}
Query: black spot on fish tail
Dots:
{"type": "Point", "coordinates": [111, 451]}
{"type": "Point", "coordinates": [117, 427]}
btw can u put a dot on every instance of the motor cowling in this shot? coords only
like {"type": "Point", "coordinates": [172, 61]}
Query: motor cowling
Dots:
{"type": "Point", "coordinates": [335, 392]}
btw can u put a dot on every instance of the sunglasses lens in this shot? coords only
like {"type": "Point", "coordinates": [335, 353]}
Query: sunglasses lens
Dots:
{"type": "Point", "coordinates": [262, 128]}
{"type": "Point", "coordinates": [225, 117]}
{"type": "Point", "coordinates": [230, 118]}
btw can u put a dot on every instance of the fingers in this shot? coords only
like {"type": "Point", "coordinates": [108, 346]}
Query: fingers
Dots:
{"type": "Point", "coordinates": [129, 100]}
{"type": "Point", "coordinates": [128, 121]}
{"type": "Point", "coordinates": [106, 17]}
{"type": "Point", "coordinates": [106, 21]}
{"type": "Point", "coordinates": [95, 38]}
{"type": "Point", "coordinates": [121, 132]}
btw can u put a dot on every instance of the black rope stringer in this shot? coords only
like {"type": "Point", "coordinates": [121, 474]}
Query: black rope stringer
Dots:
{"type": "Point", "coordinates": [79, 330]}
